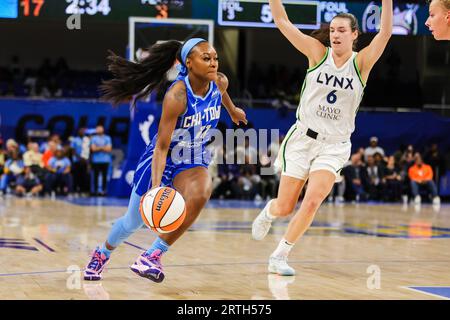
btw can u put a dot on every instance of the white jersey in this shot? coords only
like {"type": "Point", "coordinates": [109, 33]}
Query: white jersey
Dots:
{"type": "Point", "coordinates": [331, 96]}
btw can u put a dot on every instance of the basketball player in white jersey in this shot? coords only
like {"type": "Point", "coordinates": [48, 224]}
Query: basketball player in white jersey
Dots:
{"type": "Point", "coordinates": [439, 19]}
{"type": "Point", "coordinates": [318, 144]}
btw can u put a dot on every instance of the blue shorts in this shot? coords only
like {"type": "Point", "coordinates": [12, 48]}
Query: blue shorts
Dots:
{"type": "Point", "coordinates": [142, 181]}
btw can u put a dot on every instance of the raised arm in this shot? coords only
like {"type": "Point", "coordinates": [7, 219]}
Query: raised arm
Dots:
{"type": "Point", "coordinates": [174, 104]}
{"type": "Point", "coordinates": [309, 46]}
{"type": "Point", "coordinates": [368, 56]}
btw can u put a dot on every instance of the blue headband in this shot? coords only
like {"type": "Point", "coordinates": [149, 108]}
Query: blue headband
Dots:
{"type": "Point", "coordinates": [185, 50]}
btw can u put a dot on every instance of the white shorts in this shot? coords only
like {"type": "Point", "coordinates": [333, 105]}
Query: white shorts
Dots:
{"type": "Point", "coordinates": [299, 155]}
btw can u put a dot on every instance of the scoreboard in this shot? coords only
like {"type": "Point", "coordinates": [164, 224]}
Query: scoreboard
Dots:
{"type": "Point", "coordinates": [95, 10]}
{"type": "Point", "coordinates": [409, 15]}
{"type": "Point", "coordinates": [257, 13]}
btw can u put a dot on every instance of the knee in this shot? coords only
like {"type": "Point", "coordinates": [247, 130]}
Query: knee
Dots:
{"type": "Point", "coordinates": [131, 225]}
{"type": "Point", "coordinates": [311, 204]}
{"type": "Point", "coordinates": [198, 198]}
{"type": "Point", "coordinates": [282, 209]}
{"type": "Point", "coordinates": [198, 194]}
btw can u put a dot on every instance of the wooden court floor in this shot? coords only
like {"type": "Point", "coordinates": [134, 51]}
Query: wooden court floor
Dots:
{"type": "Point", "coordinates": [353, 251]}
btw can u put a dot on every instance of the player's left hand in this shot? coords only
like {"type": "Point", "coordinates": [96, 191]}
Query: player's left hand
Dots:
{"type": "Point", "coordinates": [238, 115]}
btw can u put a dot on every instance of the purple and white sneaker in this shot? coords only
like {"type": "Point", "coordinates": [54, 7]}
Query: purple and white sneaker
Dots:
{"type": "Point", "coordinates": [93, 271]}
{"type": "Point", "coordinates": [149, 266]}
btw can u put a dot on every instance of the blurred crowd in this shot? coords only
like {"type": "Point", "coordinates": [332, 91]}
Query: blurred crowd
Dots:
{"type": "Point", "coordinates": [370, 175]}
{"type": "Point", "coordinates": [244, 172]}
{"type": "Point", "coordinates": [406, 175]}
{"type": "Point", "coordinates": [82, 165]}
{"type": "Point", "coordinates": [269, 85]}
{"type": "Point", "coordinates": [54, 167]}
{"type": "Point", "coordinates": [52, 79]}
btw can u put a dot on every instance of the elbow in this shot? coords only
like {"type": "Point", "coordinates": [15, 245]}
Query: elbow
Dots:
{"type": "Point", "coordinates": [222, 82]}
{"type": "Point", "coordinates": [162, 147]}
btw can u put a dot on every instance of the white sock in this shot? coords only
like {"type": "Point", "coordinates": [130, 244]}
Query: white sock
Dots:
{"type": "Point", "coordinates": [268, 215]}
{"type": "Point", "coordinates": [283, 249]}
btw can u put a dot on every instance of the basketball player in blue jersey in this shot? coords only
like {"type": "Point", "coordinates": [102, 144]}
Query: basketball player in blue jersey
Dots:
{"type": "Point", "coordinates": [191, 106]}
{"type": "Point", "coordinates": [318, 144]}
{"type": "Point", "coordinates": [439, 19]}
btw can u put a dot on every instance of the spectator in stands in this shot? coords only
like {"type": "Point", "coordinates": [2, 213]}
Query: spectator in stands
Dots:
{"type": "Point", "coordinates": [101, 147]}
{"type": "Point", "coordinates": [361, 153]}
{"type": "Point", "coordinates": [374, 185]}
{"type": "Point", "coordinates": [228, 173]}
{"type": "Point", "coordinates": [50, 152]}
{"type": "Point", "coordinates": [249, 181]}
{"type": "Point", "coordinates": [33, 158]}
{"type": "Point", "coordinates": [421, 175]}
{"type": "Point", "coordinates": [408, 156]}
{"type": "Point", "coordinates": [337, 192]}
{"type": "Point", "coordinates": [379, 160]}
{"type": "Point", "coordinates": [55, 138]}
{"type": "Point", "coordinates": [59, 180]}
{"type": "Point", "coordinates": [355, 177]}
{"type": "Point", "coordinates": [80, 151]}
{"type": "Point", "coordinates": [14, 167]}
{"type": "Point", "coordinates": [437, 162]}
{"type": "Point", "coordinates": [269, 177]}
{"type": "Point", "coordinates": [393, 181]}
{"type": "Point", "coordinates": [398, 154]}
{"type": "Point", "coordinates": [228, 187]}
{"type": "Point", "coordinates": [28, 184]}
{"type": "Point", "coordinates": [373, 148]}
{"type": "Point", "coordinates": [12, 146]}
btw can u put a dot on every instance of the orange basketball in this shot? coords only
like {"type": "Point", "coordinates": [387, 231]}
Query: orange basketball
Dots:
{"type": "Point", "coordinates": [163, 209]}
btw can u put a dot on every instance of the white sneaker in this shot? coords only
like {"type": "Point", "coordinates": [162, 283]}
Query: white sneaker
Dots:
{"type": "Point", "coordinates": [436, 201]}
{"type": "Point", "coordinates": [279, 265]}
{"type": "Point", "coordinates": [261, 225]}
{"type": "Point", "coordinates": [417, 200]}
{"type": "Point", "coordinates": [405, 199]}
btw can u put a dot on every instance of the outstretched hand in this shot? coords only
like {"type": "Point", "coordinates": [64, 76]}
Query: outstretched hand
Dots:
{"type": "Point", "coordinates": [238, 115]}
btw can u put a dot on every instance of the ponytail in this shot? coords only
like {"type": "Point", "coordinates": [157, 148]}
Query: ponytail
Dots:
{"type": "Point", "coordinates": [322, 34]}
{"type": "Point", "coordinates": [139, 78]}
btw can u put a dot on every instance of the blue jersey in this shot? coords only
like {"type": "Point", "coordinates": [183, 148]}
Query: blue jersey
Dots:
{"type": "Point", "coordinates": [59, 164]}
{"type": "Point", "coordinates": [189, 140]}
{"type": "Point", "coordinates": [101, 156]}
